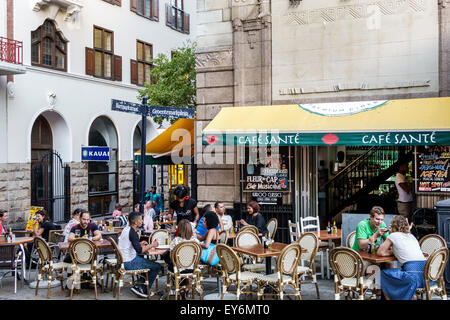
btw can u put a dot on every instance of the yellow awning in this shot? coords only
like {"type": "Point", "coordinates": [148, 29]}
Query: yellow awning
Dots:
{"type": "Point", "coordinates": [338, 121]}
{"type": "Point", "coordinates": [408, 114]}
{"type": "Point", "coordinates": [181, 131]}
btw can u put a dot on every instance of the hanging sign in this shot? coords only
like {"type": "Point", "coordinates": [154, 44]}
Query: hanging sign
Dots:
{"type": "Point", "coordinates": [268, 197]}
{"type": "Point", "coordinates": [433, 169]}
{"type": "Point", "coordinates": [95, 154]}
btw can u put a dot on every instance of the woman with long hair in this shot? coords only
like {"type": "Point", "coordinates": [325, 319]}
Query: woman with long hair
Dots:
{"type": "Point", "coordinates": [401, 283]}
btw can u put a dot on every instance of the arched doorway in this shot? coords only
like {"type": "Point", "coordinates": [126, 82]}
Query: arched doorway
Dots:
{"type": "Point", "coordinates": [50, 178]}
{"type": "Point", "coordinates": [103, 176]}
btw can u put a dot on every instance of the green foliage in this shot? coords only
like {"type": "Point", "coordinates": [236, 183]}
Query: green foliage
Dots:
{"type": "Point", "coordinates": [174, 83]}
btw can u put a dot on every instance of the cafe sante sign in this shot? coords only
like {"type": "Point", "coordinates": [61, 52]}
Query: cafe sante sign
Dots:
{"type": "Point", "coordinates": [348, 139]}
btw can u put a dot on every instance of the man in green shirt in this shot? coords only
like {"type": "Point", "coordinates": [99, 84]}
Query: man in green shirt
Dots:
{"type": "Point", "coordinates": [371, 229]}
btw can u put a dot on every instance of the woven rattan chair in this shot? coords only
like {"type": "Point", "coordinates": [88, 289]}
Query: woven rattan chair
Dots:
{"type": "Point", "coordinates": [294, 231]}
{"type": "Point", "coordinates": [272, 227]}
{"type": "Point", "coordinates": [53, 235]}
{"type": "Point", "coordinates": [116, 267]}
{"type": "Point", "coordinates": [231, 270]}
{"type": "Point", "coordinates": [10, 261]}
{"type": "Point", "coordinates": [350, 239]}
{"type": "Point", "coordinates": [286, 274]}
{"type": "Point", "coordinates": [431, 243]}
{"type": "Point", "coordinates": [47, 266]}
{"type": "Point", "coordinates": [84, 261]}
{"type": "Point", "coordinates": [223, 237]}
{"type": "Point", "coordinates": [251, 228]}
{"type": "Point", "coordinates": [185, 255]}
{"type": "Point", "coordinates": [348, 269]}
{"type": "Point", "coordinates": [434, 271]}
{"type": "Point", "coordinates": [163, 238]}
{"type": "Point", "coordinates": [310, 242]}
{"type": "Point", "coordinates": [246, 238]}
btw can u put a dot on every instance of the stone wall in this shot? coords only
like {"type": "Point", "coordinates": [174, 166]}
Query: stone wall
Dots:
{"type": "Point", "coordinates": [15, 192]}
{"type": "Point", "coordinates": [126, 185]}
{"type": "Point", "coordinates": [78, 185]}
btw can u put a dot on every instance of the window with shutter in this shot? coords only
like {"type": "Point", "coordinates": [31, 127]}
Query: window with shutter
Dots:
{"type": "Point", "coordinates": [176, 17]}
{"type": "Point", "coordinates": [104, 60]}
{"type": "Point", "coordinates": [90, 66]}
{"type": "Point", "coordinates": [133, 69]}
{"type": "Point", "coordinates": [118, 68]}
{"type": "Point", "coordinates": [146, 8]}
{"type": "Point", "coordinates": [144, 55]}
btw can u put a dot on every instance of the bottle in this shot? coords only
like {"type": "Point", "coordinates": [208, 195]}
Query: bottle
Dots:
{"type": "Point", "coordinates": [9, 238]}
{"type": "Point", "coordinates": [264, 239]}
{"type": "Point", "coordinates": [329, 228]}
{"type": "Point", "coordinates": [334, 228]}
{"type": "Point", "coordinates": [90, 235]}
{"type": "Point", "coordinates": [374, 247]}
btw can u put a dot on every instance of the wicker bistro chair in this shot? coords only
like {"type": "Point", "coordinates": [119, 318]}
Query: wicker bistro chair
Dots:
{"type": "Point", "coordinates": [431, 243]}
{"type": "Point", "coordinates": [286, 274]}
{"type": "Point", "coordinates": [116, 267]}
{"type": "Point", "coordinates": [434, 271]}
{"type": "Point", "coordinates": [223, 237]}
{"type": "Point", "coordinates": [84, 261]}
{"type": "Point", "coordinates": [47, 266]}
{"type": "Point", "coordinates": [272, 227]}
{"type": "Point", "coordinates": [163, 237]}
{"type": "Point", "coordinates": [249, 238]}
{"type": "Point", "coordinates": [185, 255]}
{"type": "Point", "coordinates": [348, 269]}
{"type": "Point", "coordinates": [252, 228]}
{"type": "Point", "coordinates": [350, 239]}
{"type": "Point", "coordinates": [310, 242]}
{"type": "Point", "coordinates": [10, 260]}
{"type": "Point", "coordinates": [231, 272]}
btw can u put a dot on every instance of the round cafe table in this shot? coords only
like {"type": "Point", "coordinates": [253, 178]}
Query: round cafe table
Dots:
{"type": "Point", "coordinates": [20, 241]}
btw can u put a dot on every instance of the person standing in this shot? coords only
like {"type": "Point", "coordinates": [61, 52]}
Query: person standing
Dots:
{"type": "Point", "coordinates": [404, 189]}
{"type": "Point", "coordinates": [3, 219]}
{"type": "Point", "coordinates": [131, 248]}
{"type": "Point", "coordinates": [156, 197]}
{"type": "Point", "coordinates": [255, 218]}
{"type": "Point", "coordinates": [183, 206]}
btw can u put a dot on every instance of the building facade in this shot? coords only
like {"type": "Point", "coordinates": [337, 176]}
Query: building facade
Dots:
{"type": "Point", "coordinates": [277, 52]}
{"type": "Point", "coordinates": [77, 56]}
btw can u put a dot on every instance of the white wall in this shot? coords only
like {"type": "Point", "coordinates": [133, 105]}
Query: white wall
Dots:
{"type": "Point", "coordinates": [80, 99]}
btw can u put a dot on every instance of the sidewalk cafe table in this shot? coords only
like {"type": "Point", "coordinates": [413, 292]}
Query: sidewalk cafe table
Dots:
{"type": "Point", "coordinates": [20, 241]}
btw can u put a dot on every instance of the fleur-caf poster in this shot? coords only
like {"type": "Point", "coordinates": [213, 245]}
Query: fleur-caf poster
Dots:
{"type": "Point", "coordinates": [266, 169]}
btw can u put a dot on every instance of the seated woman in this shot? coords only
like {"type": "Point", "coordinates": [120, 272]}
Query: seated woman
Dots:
{"type": "Point", "coordinates": [401, 283]}
{"type": "Point", "coordinates": [41, 228]}
{"type": "Point", "coordinates": [184, 234]}
{"type": "Point", "coordinates": [211, 222]}
{"type": "Point", "coordinates": [255, 218]}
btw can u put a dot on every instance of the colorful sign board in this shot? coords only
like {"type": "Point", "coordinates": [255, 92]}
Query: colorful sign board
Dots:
{"type": "Point", "coordinates": [95, 153]}
{"type": "Point", "coordinates": [433, 169]}
{"type": "Point", "coordinates": [32, 217]}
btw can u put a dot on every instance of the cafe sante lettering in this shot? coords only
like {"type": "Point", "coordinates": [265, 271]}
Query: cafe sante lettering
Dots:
{"type": "Point", "coordinates": [402, 139]}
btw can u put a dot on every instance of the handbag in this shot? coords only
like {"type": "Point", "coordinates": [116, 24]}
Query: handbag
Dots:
{"type": "Point", "coordinates": [209, 255]}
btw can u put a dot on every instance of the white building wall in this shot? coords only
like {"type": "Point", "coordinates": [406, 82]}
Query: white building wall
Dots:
{"type": "Point", "coordinates": [81, 98]}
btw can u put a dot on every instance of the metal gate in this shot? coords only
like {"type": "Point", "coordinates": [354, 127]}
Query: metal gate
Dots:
{"type": "Point", "coordinates": [50, 186]}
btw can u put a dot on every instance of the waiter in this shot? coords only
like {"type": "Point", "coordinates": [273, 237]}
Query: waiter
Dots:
{"type": "Point", "coordinates": [183, 206]}
{"type": "Point", "coordinates": [404, 189]}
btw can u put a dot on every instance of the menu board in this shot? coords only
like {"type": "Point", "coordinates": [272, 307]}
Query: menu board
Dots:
{"type": "Point", "coordinates": [32, 217]}
{"type": "Point", "coordinates": [433, 169]}
{"type": "Point", "coordinates": [266, 169]}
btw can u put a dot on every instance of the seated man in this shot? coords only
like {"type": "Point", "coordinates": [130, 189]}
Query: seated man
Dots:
{"type": "Point", "coordinates": [370, 230]}
{"type": "Point", "coordinates": [131, 248]}
{"type": "Point", "coordinates": [225, 220]}
{"type": "Point", "coordinates": [86, 228]}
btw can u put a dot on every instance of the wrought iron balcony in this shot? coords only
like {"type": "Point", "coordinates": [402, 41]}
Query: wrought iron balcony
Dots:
{"type": "Point", "coordinates": [11, 56]}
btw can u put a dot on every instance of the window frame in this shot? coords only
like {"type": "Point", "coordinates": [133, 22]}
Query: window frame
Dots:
{"type": "Point", "coordinates": [143, 61]}
{"type": "Point", "coordinates": [103, 52]}
{"type": "Point", "coordinates": [151, 17]}
{"type": "Point", "coordinates": [53, 37]}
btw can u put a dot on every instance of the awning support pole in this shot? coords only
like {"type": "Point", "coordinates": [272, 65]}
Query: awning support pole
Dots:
{"type": "Point", "coordinates": [143, 146]}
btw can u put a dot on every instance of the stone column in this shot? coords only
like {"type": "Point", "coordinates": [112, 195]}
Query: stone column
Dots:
{"type": "Point", "coordinates": [79, 188]}
{"type": "Point", "coordinates": [126, 185]}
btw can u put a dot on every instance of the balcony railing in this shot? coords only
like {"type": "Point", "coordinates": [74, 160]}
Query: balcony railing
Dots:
{"type": "Point", "coordinates": [11, 51]}
{"type": "Point", "coordinates": [177, 19]}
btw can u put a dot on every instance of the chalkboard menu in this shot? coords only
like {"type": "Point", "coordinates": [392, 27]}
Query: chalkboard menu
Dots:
{"type": "Point", "coordinates": [433, 169]}
{"type": "Point", "coordinates": [266, 169]}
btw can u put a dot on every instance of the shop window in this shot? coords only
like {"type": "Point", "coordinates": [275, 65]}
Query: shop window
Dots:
{"type": "Point", "coordinates": [49, 47]}
{"type": "Point", "coordinates": [103, 176]}
{"type": "Point", "coordinates": [100, 60]}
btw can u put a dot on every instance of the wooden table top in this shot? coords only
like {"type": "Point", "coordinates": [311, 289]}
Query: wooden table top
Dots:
{"type": "Point", "coordinates": [100, 244]}
{"type": "Point", "coordinates": [23, 231]}
{"type": "Point", "coordinates": [376, 259]}
{"type": "Point", "coordinates": [259, 251]}
{"type": "Point", "coordinates": [18, 240]}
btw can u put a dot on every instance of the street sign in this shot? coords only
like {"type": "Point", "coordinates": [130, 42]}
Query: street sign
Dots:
{"type": "Point", "coordinates": [170, 112]}
{"type": "Point", "coordinates": [95, 153]}
{"type": "Point", "coordinates": [125, 106]}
